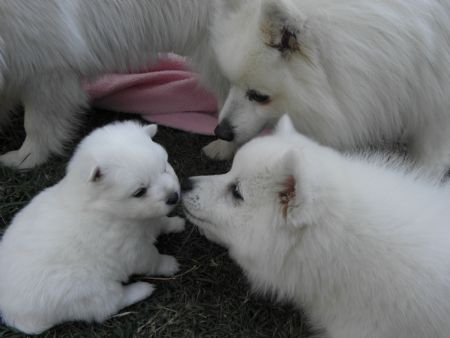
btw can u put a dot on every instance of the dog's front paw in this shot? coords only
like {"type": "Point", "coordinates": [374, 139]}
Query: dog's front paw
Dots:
{"type": "Point", "coordinates": [23, 158]}
{"type": "Point", "coordinates": [220, 150]}
{"type": "Point", "coordinates": [167, 266]}
{"type": "Point", "coordinates": [175, 224]}
{"type": "Point", "coordinates": [136, 292]}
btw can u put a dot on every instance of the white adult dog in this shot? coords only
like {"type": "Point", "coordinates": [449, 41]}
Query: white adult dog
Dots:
{"type": "Point", "coordinates": [66, 254]}
{"type": "Point", "coordinates": [349, 73]}
{"type": "Point", "coordinates": [361, 244]}
{"type": "Point", "coordinates": [47, 47]}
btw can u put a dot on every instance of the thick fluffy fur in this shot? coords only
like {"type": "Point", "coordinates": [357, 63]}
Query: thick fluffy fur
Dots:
{"type": "Point", "coordinates": [349, 73]}
{"type": "Point", "coordinates": [66, 254]}
{"type": "Point", "coordinates": [46, 47]}
{"type": "Point", "coordinates": [361, 244]}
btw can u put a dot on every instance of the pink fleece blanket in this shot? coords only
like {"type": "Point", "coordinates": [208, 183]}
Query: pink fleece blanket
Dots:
{"type": "Point", "coordinates": [167, 93]}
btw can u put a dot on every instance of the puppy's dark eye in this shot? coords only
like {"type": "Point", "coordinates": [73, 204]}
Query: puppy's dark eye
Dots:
{"type": "Point", "coordinates": [256, 96]}
{"type": "Point", "coordinates": [140, 192]}
{"type": "Point", "coordinates": [234, 188]}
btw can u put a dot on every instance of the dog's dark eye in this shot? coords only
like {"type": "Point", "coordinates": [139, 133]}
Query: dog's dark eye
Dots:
{"type": "Point", "coordinates": [253, 95]}
{"type": "Point", "coordinates": [234, 188]}
{"type": "Point", "coordinates": [140, 192]}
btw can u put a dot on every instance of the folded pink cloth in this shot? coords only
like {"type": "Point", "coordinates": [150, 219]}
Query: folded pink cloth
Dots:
{"type": "Point", "coordinates": [167, 93]}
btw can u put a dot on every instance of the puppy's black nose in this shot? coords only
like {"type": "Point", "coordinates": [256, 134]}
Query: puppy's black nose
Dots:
{"type": "Point", "coordinates": [172, 199]}
{"type": "Point", "coordinates": [187, 185]}
{"type": "Point", "coordinates": [224, 131]}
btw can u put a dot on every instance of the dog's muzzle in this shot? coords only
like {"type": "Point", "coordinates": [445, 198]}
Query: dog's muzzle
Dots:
{"type": "Point", "coordinates": [224, 131]}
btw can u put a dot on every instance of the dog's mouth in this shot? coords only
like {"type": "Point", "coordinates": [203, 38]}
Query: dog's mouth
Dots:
{"type": "Point", "coordinates": [205, 227]}
{"type": "Point", "coordinates": [194, 219]}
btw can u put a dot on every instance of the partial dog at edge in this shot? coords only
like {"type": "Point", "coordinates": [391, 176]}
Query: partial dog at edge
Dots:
{"type": "Point", "coordinates": [361, 243]}
{"type": "Point", "coordinates": [47, 47]}
{"type": "Point", "coordinates": [66, 254]}
{"type": "Point", "coordinates": [350, 73]}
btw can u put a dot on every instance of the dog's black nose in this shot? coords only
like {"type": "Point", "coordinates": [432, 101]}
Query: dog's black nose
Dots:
{"type": "Point", "coordinates": [173, 198]}
{"type": "Point", "coordinates": [224, 131]}
{"type": "Point", "coordinates": [187, 185]}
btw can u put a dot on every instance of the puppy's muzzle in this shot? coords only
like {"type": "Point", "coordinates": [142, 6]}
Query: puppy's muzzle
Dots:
{"type": "Point", "coordinates": [224, 131]}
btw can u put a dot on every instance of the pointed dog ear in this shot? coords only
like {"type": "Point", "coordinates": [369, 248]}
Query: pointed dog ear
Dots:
{"type": "Point", "coordinates": [281, 29]}
{"type": "Point", "coordinates": [151, 129]}
{"type": "Point", "coordinates": [285, 126]}
{"type": "Point", "coordinates": [96, 174]}
{"type": "Point", "coordinates": [291, 198]}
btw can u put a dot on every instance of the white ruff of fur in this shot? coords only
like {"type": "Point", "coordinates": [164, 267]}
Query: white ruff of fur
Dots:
{"type": "Point", "coordinates": [362, 246]}
{"type": "Point", "coordinates": [47, 47]}
{"type": "Point", "coordinates": [65, 255]}
{"type": "Point", "coordinates": [363, 72]}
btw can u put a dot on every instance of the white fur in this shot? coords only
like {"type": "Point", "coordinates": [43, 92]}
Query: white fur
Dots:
{"type": "Point", "coordinates": [366, 72]}
{"type": "Point", "coordinates": [363, 246]}
{"type": "Point", "coordinates": [220, 150]}
{"type": "Point", "coordinates": [47, 47]}
{"type": "Point", "coordinates": [65, 255]}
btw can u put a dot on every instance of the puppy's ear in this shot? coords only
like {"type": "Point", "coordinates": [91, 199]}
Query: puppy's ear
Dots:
{"type": "Point", "coordinates": [151, 129]}
{"type": "Point", "coordinates": [96, 174]}
{"type": "Point", "coordinates": [285, 126]}
{"type": "Point", "coordinates": [290, 194]}
{"type": "Point", "coordinates": [281, 28]}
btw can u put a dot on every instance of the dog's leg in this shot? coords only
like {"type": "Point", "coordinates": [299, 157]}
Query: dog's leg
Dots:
{"type": "Point", "coordinates": [149, 261]}
{"type": "Point", "coordinates": [220, 150]}
{"type": "Point", "coordinates": [51, 107]}
{"type": "Point", "coordinates": [172, 224]}
{"type": "Point", "coordinates": [167, 266]}
{"type": "Point", "coordinates": [136, 292]}
{"type": "Point", "coordinates": [32, 325]}
{"type": "Point", "coordinates": [100, 299]}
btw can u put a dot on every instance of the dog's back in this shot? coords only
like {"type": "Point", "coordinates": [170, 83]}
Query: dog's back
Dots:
{"type": "Point", "coordinates": [96, 37]}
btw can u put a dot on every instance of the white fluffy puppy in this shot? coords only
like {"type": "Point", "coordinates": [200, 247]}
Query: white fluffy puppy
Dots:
{"type": "Point", "coordinates": [349, 73]}
{"type": "Point", "coordinates": [66, 254]}
{"type": "Point", "coordinates": [47, 47]}
{"type": "Point", "coordinates": [362, 245]}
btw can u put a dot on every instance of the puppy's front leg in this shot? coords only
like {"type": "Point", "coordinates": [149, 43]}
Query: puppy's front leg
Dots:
{"type": "Point", "coordinates": [51, 105]}
{"type": "Point", "coordinates": [136, 292]}
{"type": "Point", "coordinates": [172, 224]}
{"type": "Point", "coordinates": [151, 262]}
{"type": "Point", "coordinates": [220, 150]}
{"type": "Point", "coordinates": [167, 266]}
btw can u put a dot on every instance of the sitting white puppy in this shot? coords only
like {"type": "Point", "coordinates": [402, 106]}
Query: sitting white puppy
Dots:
{"type": "Point", "coordinates": [66, 254]}
{"type": "Point", "coordinates": [362, 245]}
